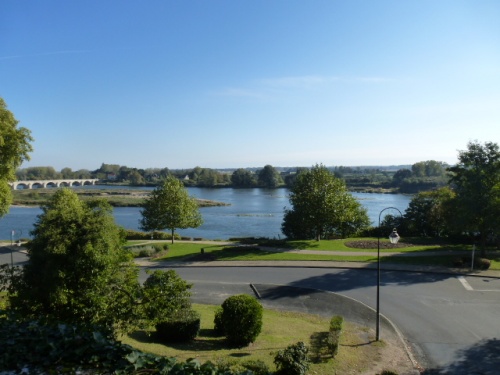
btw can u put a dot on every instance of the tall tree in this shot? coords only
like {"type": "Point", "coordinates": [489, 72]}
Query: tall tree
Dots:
{"type": "Point", "coordinates": [14, 149]}
{"type": "Point", "coordinates": [169, 206]}
{"type": "Point", "coordinates": [78, 271]}
{"type": "Point", "coordinates": [269, 177]}
{"type": "Point", "coordinates": [243, 178]}
{"type": "Point", "coordinates": [322, 206]}
{"type": "Point", "coordinates": [428, 213]}
{"type": "Point", "coordinates": [476, 181]}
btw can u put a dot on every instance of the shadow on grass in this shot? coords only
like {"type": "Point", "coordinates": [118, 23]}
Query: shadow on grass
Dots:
{"type": "Point", "coordinates": [207, 340]}
{"type": "Point", "coordinates": [319, 352]}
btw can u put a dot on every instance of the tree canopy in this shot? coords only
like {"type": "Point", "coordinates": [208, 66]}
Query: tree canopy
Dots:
{"type": "Point", "coordinates": [169, 206]}
{"type": "Point", "coordinates": [269, 177]}
{"type": "Point", "coordinates": [78, 271]}
{"type": "Point", "coordinates": [476, 182]}
{"type": "Point", "coordinates": [14, 149]}
{"type": "Point", "coordinates": [322, 206]}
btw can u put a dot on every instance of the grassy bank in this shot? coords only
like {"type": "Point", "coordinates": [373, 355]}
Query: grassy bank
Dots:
{"type": "Point", "coordinates": [115, 197]}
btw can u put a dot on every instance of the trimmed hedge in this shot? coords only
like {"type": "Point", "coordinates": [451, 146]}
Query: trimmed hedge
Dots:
{"type": "Point", "coordinates": [183, 326]}
{"type": "Point", "coordinates": [336, 325]}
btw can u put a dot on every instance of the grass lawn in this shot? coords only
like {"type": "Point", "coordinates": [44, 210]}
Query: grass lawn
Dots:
{"type": "Point", "coordinates": [185, 251]}
{"type": "Point", "coordinates": [357, 347]}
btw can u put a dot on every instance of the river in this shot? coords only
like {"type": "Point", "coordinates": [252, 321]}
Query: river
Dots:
{"type": "Point", "coordinates": [251, 213]}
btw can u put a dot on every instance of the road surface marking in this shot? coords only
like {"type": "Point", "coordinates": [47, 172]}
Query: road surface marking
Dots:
{"type": "Point", "coordinates": [464, 282]}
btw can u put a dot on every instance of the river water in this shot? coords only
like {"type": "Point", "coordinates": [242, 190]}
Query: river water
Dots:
{"type": "Point", "coordinates": [251, 213]}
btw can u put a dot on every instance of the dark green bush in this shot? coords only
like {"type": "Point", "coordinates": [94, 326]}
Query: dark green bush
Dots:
{"type": "Point", "coordinates": [241, 319]}
{"type": "Point", "coordinates": [183, 326]}
{"type": "Point", "coordinates": [336, 324]}
{"type": "Point", "coordinates": [388, 372]}
{"type": "Point", "coordinates": [218, 323]}
{"type": "Point", "coordinates": [294, 360]}
{"type": "Point", "coordinates": [482, 263]}
{"type": "Point", "coordinates": [65, 349]}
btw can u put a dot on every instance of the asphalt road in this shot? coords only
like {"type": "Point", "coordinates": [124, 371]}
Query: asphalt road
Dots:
{"type": "Point", "coordinates": [450, 321]}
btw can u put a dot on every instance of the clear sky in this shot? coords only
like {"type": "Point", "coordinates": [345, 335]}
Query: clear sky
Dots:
{"type": "Point", "coordinates": [245, 83]}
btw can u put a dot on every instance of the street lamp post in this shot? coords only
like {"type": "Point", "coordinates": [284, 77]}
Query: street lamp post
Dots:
{"type": "Point", "coordinates": [394, 238]}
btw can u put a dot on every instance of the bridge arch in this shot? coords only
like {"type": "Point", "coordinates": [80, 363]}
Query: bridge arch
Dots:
{"type": "Point", "coordinates": [38, 184]}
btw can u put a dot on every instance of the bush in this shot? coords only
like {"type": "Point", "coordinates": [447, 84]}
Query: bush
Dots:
{"type": "Point", "coordinates": [257, 367]}
{"type": "Point", "coordinates": [336, 324]}
{"type": "Point", "coordinates": [183, 326]}
{"type": "Point", "coordinates": [137, 235]}
{"type": "Point", "coordinates": [482, 263]}
{"type": "Point", "coordinates": [294, 360]}
{"type": "Point", "coordinates": [218, 323]}
{"type": "Point", "coordinates": [241, 319]}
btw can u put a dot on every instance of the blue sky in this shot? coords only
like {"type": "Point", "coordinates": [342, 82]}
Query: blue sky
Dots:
{"type": "Point", "coordinates": [229, 83]}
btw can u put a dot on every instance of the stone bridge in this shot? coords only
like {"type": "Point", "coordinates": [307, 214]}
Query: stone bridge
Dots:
{"type": "Point", "coordinates": [37, 184]}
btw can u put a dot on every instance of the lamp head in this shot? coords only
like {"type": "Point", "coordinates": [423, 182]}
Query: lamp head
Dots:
{"type": "Point", "coordinates": [394, 236]}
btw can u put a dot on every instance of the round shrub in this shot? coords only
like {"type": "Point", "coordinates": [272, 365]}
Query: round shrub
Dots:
{"type": "Point", "coordinates": [183, 326]}
{"type": "Point", "coordinates": [241, 319]}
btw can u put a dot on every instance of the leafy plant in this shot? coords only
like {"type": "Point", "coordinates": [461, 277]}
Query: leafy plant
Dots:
{"type": "Point", "coordinates": [182, 326]}
{"type": "Point", "coordinates": [165, 293]}
{"type": "Point", "coordinates": [294, 360]}
{"type": "Point", "coordinates": [241, 319]}
{"type": "Point", "coordinates": [336, 324]}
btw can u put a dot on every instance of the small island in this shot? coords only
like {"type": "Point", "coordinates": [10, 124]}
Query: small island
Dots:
{"type": "Point", "coordinates": [115, 197]}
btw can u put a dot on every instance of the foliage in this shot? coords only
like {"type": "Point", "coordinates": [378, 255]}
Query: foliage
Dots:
{"type": "Point", "coordinates": [269, 177]}
{"type": "Point", "coordinates": [183, 325]}
{"type": "Point", "coordinates": [156, 235]}
{"type": "Point", "coordinates": [218, 322]}
{"type": "Point", "coordinates": [164, 294]}
{"type": "Point", "coordinates": [476, 182]}
{"type": "Point", "coordinates": [170, 207]}
{"type": "Point", "coordinates": [257, 367]}
{"type": "Point", "coordinates": [14, 149]}
{"type": "Point", "coordinates": [294, 360]}
{"type": "Point", "coordinates": [322, 207]}
{"type": "Point", "coordinates": [241, 319]}
{"type": "Point", "coordinates": [336, 325]}
{"type": "Point", "coordinates": [61, 348]}
{"type": "Point", "coordinates": [427, 214]}
{"type": "Point", "coordinates": [243, 178]}
{"type": "Point", "coordinates": [78, 271]}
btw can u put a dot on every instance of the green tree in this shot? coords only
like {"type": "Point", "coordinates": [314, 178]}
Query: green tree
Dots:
{"type": "Point", "coordinates": [427, 214]}
{"type": "Point", "coordinates": [476, 182]}
{"type": "Point", "coordinates": [243, 178]}
{"type": "Point", "coordinates": [169, 206]}
{"type": "Point", "coordinates": [14, 149]}
{"type": "Point", "coordinates": [322, 206]}
{"type": "Point", "coordinates": [269, 177]}
{"type": "Point", "coordinates": [78, 271]}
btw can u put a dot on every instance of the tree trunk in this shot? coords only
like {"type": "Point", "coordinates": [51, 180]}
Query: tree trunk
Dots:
{"type": "Point", "coordinates": [173, 235]}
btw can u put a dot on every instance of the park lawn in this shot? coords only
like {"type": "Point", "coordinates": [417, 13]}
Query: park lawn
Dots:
{"type": "Point", "coordinates": [280, 329]}
{"type": "Point", "coordinates": [191, 251]}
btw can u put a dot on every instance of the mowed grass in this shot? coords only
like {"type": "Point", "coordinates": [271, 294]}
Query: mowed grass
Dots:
{"type": "Point", "coordinates": [280, 329]}
{"type": "Point", "coordinates": [439, 254]}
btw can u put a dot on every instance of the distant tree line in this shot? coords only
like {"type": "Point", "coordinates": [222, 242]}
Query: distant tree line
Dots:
{"type": "Point", "coordinates": [424, 175]}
